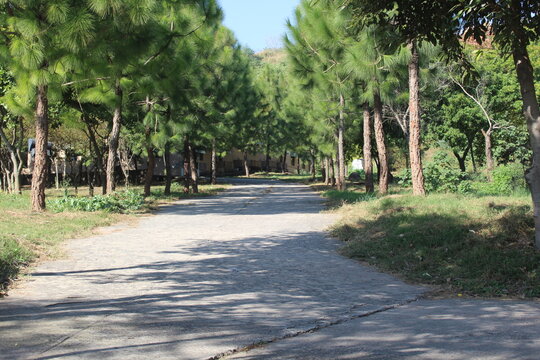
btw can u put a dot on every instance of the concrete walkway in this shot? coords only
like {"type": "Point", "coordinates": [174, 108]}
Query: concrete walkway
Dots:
{"type": "Point", "coordinates": [206, 278]}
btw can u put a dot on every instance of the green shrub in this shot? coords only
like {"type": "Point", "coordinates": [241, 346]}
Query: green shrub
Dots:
{"type": "Point", "coordinates": [483, 188]}
{"type": "Point", "coordinates": [507, 179]}
{"type": "Point", "coordinates": [119, 202]}
{"type": "Point", "coordinates": [465, 187]}
{"type": "Point", "coordinates": [442, 176]}
{"type": "Point", "coordinates": [12, 257]}
{"type": "Point", "coordinates": [404, 178]}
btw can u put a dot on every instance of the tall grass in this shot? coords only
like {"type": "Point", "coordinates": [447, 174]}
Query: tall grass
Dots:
{"type": "Point", "coordinates": [479, 246]}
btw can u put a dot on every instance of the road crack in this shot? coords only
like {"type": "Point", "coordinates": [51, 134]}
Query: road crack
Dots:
{"type": "Point", "coordinates": [313, 329]}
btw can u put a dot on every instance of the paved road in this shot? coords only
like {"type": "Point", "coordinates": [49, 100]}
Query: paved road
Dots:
{"type": "Point", "coordinates": [209, 276]}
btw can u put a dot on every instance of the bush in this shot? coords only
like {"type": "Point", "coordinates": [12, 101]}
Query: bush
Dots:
{"type": "Point", "coordinates": [404, 178]}
{"type": "Point", "coordinates": [12, 257]}
{"type": "Point", "coordinates": [507, 179]}
{"type": "Point", "coordinates": [465, 187]}
{"type": "Point", "coordinates": [442, 176]}
{"type": "Point", "coordinates": [120, 202]}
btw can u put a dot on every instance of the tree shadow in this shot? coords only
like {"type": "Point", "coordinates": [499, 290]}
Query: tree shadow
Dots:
{"type": "Point", "coordinates": [279, 198]}
{"type": "Point", "coordinates": [450, 249]}
{"type": "Point", "coordinates": [211, 293]}
{"type": "Point", "coordinates": [456, 329]}
{"type": "Point", "coordinates": [221, 294]}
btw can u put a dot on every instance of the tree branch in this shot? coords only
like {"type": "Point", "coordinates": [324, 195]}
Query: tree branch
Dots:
{"type": "Point", "coordinates": [176, 35]}
{"type": "Point", "coordinates": [84, 80]}
{"type": "Point", "coordinates": [474, 99]}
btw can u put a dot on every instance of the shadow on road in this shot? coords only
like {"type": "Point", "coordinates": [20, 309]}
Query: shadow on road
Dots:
{"type": "Point", "coordinates": [256, 265]}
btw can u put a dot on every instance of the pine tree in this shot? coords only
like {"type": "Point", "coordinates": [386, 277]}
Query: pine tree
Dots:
{"type": "Point", "coordinates": [368, 59]}
{"type": "Point", "coordinates": [513, 25]}
{"type": "Point", "coordinates": [133, 35]}
{"type": "Point", "coordinates": [317, 51]}
{"type": "Point", "coordinates": [40, 40]}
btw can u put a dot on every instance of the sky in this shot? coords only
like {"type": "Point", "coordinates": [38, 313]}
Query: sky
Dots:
{"type": "Point", "coordinates": [258, 24]}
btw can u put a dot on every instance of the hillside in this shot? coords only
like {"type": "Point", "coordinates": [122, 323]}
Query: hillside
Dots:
{"type": "Point", "coordinates": [272, 56]}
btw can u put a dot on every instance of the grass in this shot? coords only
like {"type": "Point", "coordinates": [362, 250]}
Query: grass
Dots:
{"type": "Point", "coordinates": [26, 237]}
{"type": "Point", "coordinates": [337, 198]}
{"type": "Point", "coordinates": [477, 246]}
{"type": "Point", "coordinates": [354, 193]}
{"type": "Point", "coordinates": [298, 178]}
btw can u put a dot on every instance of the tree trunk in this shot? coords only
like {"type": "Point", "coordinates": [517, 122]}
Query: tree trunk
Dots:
{"type": "Point", "coordinates": [407, 154]}
{"type": "Point", "coordinates": [284, 163]}
{"type": "Point", "coordinates": [267, 160]}
{"type": "Point", "coordinates": [9, 182]}
{"type": "Point", "coordinates": [490, 164]}
{"type": "Point", "coordinates": [461, 161]}
{"type": "Point", "coordinates": [531, 110]}
{"type": "Point", "coordinates": [313, 169]}
{"type": "Point", "coordinates": [368, 162]}
{"type": "Point", "coordinates": [381, 146]}
{"type": "Point", "coordinates": [150, 168]}
{"type": "Point", "coordinates": [150, 159]}
{"type": "Point", "coordinates": [168, 170]}
{"type": "Point", "coordinates": [187, 168]}
{"type": "Point", "coordinates": [4, 182]}
{"type": "Point", "coordinates": [326, 171]}
{"type": "Point", "coordinates": [123, 156]}
{"type": "Point", "coordinates": [337, 165]}
{"type": "Point", "coordinates": [193, 169]}
{"type": "Point", "coordinates": [56, 174]}
{"type": "Point", "coordinates": [214, 163]}
{"type": "Point", "coordinates": [15, 162]}
{"type": "Point", "coordinates": [113, 138]}
{"type": "Point", "coordinates": [246, 165]}
{"type": "Point", "coordinates": [98, 158]}
{"type": "Point", "coordinates": [414, 124]}
{"type": "Point", "coordinates": [64, 171]}
{"type": "Point", "coordinates": [332, 172]}
{"type": "Point", "coordinates": [40, 172]}
{"type": "Point", "coordinates": [77, 178]}
{"type": "Point", "coordinates": [473, 158]}
{"type": "Point", "coordinates": [378, 166]}
{"type": "Point", "coordinates": [17, 178]}
{"type": "Point", "coordinates": [91, 176]}
{"type": "Point", "coordinates": [341, 139]}
{"type": "Point", "coordinates": [136, 168]}
{"type": "Point", "coordinates": [462, 166]}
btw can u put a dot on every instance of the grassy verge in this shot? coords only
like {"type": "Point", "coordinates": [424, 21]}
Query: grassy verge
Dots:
{"type": "Point", "coordinates": [354, 193]}
{"type": "Point", "coordinates": [477, 246]}
{"type": "Point", "coordinates": [26, 237]}
{"type": "Point", "coordinates": [302, 178]}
